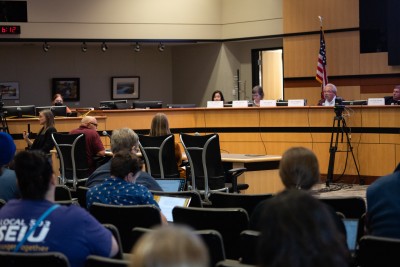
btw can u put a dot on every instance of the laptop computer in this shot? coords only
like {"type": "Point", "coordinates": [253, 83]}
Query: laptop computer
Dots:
{"type": "Point", "coordinates": [168, 203]}
{"type": "Point", "coordinates": [172, 184]}
{"type": "Point", "coordinates": [351, 226]}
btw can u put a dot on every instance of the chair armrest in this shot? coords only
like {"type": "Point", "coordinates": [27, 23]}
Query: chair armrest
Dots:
{"type": "Point", "coordinates": [234, 174]}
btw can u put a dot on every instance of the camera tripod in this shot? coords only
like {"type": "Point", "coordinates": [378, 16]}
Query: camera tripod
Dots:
{"type": "Point", "coordinates": [339, 127]}
{"type": "Point", "coordinates": [4, 126]}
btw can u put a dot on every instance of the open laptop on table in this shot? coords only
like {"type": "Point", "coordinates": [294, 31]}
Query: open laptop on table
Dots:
{"type": "Point", "coordinates": [167, 204]}
{"type": "Point", "coordinates": [172, 184]}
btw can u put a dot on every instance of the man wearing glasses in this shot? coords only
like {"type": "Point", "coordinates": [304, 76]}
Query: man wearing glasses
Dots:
{"type": "Point", "coordinates": [94, 146]}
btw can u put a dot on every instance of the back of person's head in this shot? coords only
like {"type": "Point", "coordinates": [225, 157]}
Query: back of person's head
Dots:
{"type": "Point", "coordinates": [34, 173]}
{"type": "Point", "coordinates": [123, 139]}
{"type": "Point", "coordinates": [299, 231]}
{"type": "Point", "coordinates": [217, 92]}
{"type": "Point", "coordinates": [123, 163]}
{"type": "Point", "coordinates": [159, 125]}
{"type": "Point", "coordinates": [7, 149]}
{"type": "Point", "coordinates": [258, 90]}
{"type": "Point", "coordinates": [299, 168]}
{"type": "Point", "coordinates": [49, 118]}
{"type": "Point", "coordinates": [170, 246]}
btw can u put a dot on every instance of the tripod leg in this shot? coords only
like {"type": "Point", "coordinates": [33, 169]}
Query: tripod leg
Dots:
{"type": "Point", "coordinates": [350, 148]}
{"type": "Point", "coordinates": [332, 152]}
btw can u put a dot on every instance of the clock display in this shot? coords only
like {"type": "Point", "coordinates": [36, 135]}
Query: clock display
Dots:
{"type": "Point", "coordinates": [10, 29]}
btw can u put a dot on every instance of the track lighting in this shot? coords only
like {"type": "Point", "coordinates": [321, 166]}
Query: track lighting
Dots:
{"type": "Point", "coordinates": [104, 47]}
{"type": "Point", "coordinates": [46, 47]}
{"type": "Point", "coordinates": [137, 47]}
{"type": "Point", "coordinates": [84, 47]}
{"type": "Point", "coordinates": [161, 47]}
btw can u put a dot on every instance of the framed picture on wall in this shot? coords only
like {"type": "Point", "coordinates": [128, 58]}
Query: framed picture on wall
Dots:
{"type": "Point", "coordinates": [67, 87]}
{"type": "Point", "coordinates": [125, 87]}
{"type": "Point", "coordinates": [9, 90]}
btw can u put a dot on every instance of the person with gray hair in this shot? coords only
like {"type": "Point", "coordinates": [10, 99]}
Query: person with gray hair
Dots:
{"type": "Point", "coordinates": [330, 95]}
{"type": "Point", "coordinates": [122, 139]}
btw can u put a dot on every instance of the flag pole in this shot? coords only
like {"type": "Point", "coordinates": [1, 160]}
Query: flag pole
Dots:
{"type": "Point", "coordinates": [320, 18]}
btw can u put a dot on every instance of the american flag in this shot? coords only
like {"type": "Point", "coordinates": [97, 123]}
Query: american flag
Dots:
{"type": "Point", "coordinates": [322, 76]}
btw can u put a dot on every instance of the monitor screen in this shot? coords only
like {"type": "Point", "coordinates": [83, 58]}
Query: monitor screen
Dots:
{"type": "Point", "coordinates": [171, 184]}
{"type": "Point", "coordinates": [60, 111]}
{"type": "Point", "coordinates": [111, 104]}
{"type": "Point", "coordinates": [147, 104]}
{"type": "Point", "coordinates": [282, 103]}
{"type": "Point", "coordinates": [354, 102]}
{"type": "Point", "coordinates": [181, 105]}
{"type": "Point", "coordinates": [19, 111]}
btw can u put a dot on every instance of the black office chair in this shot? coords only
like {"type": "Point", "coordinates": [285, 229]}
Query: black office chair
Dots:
{"type": "Point", "coordinates": [62, 192]}
{"type": "Point", "coordinates": [81, 195]}
{"type": "Point", "coordinates": [229, 222]}
{"type": "Point", "coordinates": [231, 200]}
{"type": "Point", "coordinates": [2, 202]}
{"type": "Point", "coordinates": [18, 259]}
{"type": "Point", "coordinates": [99, 261]}
{"type": "Point", "coordinates": [125, 218]}
{"type": "Point", "coordinates": [71, 150]}
{"type": "Point", "coordinates": [195, 200]}
{"type": "Point", "coordinates": [248, 246]}
{"type": "Point", "coordinates": [207, 172]}
{"type": "Point", "coordinates": [159, 155]}
{"type": "Point", "coordinates": [114, 230]}
{"type": "Point", "coordinates": [351, 207]}
{"type": "Point", "coordinates": [377, 251]}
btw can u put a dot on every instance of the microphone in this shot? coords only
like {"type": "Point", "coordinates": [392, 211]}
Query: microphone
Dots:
{"type": "Point", "coordinates": [106, 134]}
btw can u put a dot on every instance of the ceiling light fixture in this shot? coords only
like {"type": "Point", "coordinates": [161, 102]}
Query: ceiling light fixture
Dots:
{"type": "Point", "coordinates": [46, 47]}
{"type": "Point", "coordinates": [161, 47]}
{"type": "Point", "coordinates": [137, 47]}
{"type": "Point", "coordinates": [84, 47]}
{"type": "Point", "coordinates": [104, 47]}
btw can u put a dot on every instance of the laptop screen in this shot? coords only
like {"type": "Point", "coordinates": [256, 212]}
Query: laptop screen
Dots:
{"type": "Point", "coordinates": [351, 226]}
{"type": "Point", "coordinates": [167, 204]}
{"type": "Point", "coordinates": [172, 185]}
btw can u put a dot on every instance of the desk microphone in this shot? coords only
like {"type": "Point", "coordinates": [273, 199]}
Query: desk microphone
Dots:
{"type": "Point", "coordinates": [106, 134]}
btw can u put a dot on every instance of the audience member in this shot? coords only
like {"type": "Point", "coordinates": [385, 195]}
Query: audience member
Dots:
{"type": "Point", "coordinates": [94, 146]}
{"type": "Point", "coordinates": [217, 96]}
{"type": "Point", "coordinates": [330, 95]}
{"type": "Point", "coordinates": [170, 246]}
{"type": "Point", "coordinates": [43, 140]}
{"type": "Point", "coordinates": [67, 229]}
{"type": "Point", "coordinates": [59, 101]}
{"type": "Point", "coordinates": [122, 139]}
{"type": "Point", "coordinates": [395, 99]}
{"type": "Point", "coordinates": [257, 94]}
{"type": "Point", "coordinates": [8, 179]}
{"type": "Point", "coordinates": [159, 127]}
{"type": "Point", "coordinates": [383, 206]}
{"type": "Point", "coordinates": [298, 230]}
{"type": "Point", "coordinates": [120, 188]}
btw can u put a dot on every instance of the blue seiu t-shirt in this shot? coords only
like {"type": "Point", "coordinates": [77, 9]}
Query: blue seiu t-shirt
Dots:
{"type": "Point", "coordinates": [116, 191]}
{"type": "Point", "coordinates": [70, 230]}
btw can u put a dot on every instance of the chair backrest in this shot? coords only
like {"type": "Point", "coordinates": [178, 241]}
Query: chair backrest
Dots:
{"type": "Point", "coordinates": [125, 218]}
{"type": "Point", "coordinates": [81, 195]}
{"type": "Point", "coordinates": [212, 239]}
{"type": "Point", "coordinates": [62, 192]}
{"type": "Point", "coordinates": [99, 261]}
{"type": "Point", "coordinates": [71, 150]}
{"type": "Point", "coordinates": [248, 246]}
{"type": "Point", "coordinates": [229, 222]}
{"type": "Point", "coordinates": [377, 251]}
{"type": "Point", "coordinates": [2, 202]}
{"type": "Point", "coordinates": [204, 155]}
{"type": "Point", "coordinates": [195, 200]}
{"type": "Point", "coordinates": [351, 207]}
{"type": "Point", "coordinates": [232, 200]}
{"type": "Point", "coordinates": [18, 259]}
{"type": "Point", "coordinates": [159, 155]}
{"type": "Point", "coordinates": [117, 236]}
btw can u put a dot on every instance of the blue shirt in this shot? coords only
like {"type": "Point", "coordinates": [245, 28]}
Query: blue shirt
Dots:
{"type": "Point", "coordinates": [116, 191]}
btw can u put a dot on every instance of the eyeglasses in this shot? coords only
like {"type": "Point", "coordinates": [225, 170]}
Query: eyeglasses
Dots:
{"type": "Point", "coordinates": [92, 123]}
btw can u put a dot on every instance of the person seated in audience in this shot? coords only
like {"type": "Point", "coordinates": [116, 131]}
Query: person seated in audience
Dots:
{"type": "Point", "coordinates": [395, 99]}
{"type": "Point", "coordinates": [67, 229]}
{"type": "Point", "coordinates": [159, 127]}
{"type": "Point", "coordinates": [122, 139]}
{"type": "Point", "coordinates": [217, 96]}
{"type": "Point", "coordinates": [120, 188]}
{"type": "Point", "coordinates": [8, 179]}
{"type": "Point", "coordinates": [330, 95]}
{"type": "Point", "coordinates": [383, 206]}
{"type": "Point", "coordinates": [43, 140]}
{"type": "Point", "coordinates": [94, 146]}
{"type": "Point", "coordinates": [170, 246]}
{"type": "Point", "coordinates": [59, 101]}
{"type": "Point", "coordinates": [257, 94]}
{"type": "Point", "coordinates": [298, 230]}
{"type": "Point", "coordinates": [298, 169]}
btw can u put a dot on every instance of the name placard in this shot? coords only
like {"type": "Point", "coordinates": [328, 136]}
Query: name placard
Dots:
{"type": "Point", "coordinates": [240, 104]}
{"type": "Point", "coordinates": [296, 102]}
{"type": "Point", "coordinates": [215, 104]}
{"type": "Point", "coordinates": [376, 101]}
{"type": "Point", "coordinates": [268, 103]}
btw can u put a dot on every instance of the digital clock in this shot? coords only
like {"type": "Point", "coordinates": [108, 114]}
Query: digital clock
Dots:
{"type": "Point", "coordinates": [10, 29]}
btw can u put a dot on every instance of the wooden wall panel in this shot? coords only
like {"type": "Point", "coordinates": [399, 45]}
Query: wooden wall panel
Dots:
{"type": "Point", "coordinates": [376, 63]}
